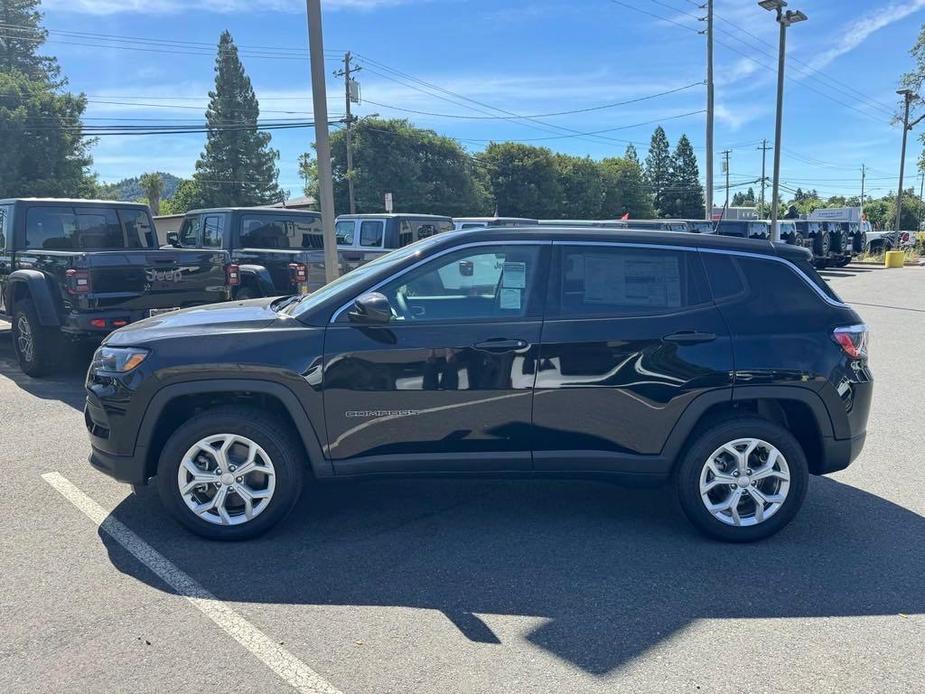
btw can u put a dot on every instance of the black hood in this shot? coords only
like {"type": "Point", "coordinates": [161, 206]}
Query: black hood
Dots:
{"type": "Point", "coordinates": [237, 316]}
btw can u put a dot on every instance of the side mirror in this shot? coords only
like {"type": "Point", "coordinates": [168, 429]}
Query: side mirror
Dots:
{"type": "Point", "coordinates": [173, 239]}
{"type": "Point", "coordinates": [371, 309]}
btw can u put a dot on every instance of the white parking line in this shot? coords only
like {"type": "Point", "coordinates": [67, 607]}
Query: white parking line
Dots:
{"type": "Point", "coordinates": [296, 673]}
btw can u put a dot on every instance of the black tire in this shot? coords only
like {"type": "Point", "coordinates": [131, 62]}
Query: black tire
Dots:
{"type": "Point", "coordinates": [688, 471]}
{"type": "Point", "coordinates": [842, 262]}
{"type": "Point", "coordinates": [247, 292]}
{"type": "Point", "coordinates": [859, 242]}
{"type": "Point", "coordinates": [277, 440]}
{"type": "Point", "coordinates": [822, 244]}
{"type": "Point", "coordinates": [45, 352]}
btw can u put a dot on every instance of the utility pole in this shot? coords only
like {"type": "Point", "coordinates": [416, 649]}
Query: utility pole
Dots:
{"type": "Point", "coordinates": [348, 83]}
{"type": "Point", "coordinates": [322, 139]}
{"type": "Point", "coordinates": [764, 179]}
{"type": "Point", "coordinates": [708, 208]}
{"type": "Point", "coordinates": [726, 154]}
{"type": "Point", "coordinates": [907, 95]}
{"type": "Point", "coordinates": [863, 177]}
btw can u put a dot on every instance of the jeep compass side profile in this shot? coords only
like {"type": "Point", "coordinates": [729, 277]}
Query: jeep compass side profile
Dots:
{"type": "Point", "coordinates": [725, 365]}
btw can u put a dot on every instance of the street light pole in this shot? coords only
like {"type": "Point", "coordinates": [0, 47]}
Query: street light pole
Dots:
{"type": "Point", "coordinates": [784, 19]}
{"type": "Point", "coordinates": [322, 140]}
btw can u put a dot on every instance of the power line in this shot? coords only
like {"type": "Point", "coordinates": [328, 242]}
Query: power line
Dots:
{"type": "Point", "coordinates": [597, 132]}
{"type": "Point", "coordinates": [540, 115]}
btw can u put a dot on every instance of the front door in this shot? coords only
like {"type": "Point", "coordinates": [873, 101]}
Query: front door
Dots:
{"type": "Point", "coordinates": [631, 338]}
{"type": "Point", "coordinates": [447, 385]}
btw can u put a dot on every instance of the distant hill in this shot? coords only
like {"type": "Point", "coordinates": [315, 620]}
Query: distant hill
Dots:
{"type": "Point", "coordinates": [129, 188]}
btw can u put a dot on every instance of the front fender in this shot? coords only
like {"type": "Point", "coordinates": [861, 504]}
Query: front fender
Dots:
{"type": "Point", "coordinates": [307, 432]}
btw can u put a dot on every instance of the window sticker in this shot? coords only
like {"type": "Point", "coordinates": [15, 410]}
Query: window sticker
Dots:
{"type": "Point", "coordinates": [511, 299]}
{"type": "Point", "coordinates": [514, 275]}
{"type": "Point", "coordinates": [633, 280]}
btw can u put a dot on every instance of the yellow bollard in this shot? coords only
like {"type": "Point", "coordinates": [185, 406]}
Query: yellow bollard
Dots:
{"type": "Point", "coordinates": [894, 259]}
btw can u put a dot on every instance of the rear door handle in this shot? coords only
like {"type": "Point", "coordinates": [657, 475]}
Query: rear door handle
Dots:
{"type": "Point", "coordinates": [690, 337]}
{"type": "Point", "coordinates": [500, 344]}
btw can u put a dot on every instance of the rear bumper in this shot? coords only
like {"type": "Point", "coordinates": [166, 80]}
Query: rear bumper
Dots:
{"type": "Point", "coordinates": [79, 323]}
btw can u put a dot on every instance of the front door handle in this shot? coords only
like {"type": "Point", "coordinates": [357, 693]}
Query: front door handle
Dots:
{"type": "Point", "coordinates": [690, 337]}
{"type": "Point", "coordinates": [500, 344]}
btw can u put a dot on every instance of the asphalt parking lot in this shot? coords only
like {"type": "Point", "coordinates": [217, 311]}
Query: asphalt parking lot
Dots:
{"type": "Point", "coordinates": [470, 586]}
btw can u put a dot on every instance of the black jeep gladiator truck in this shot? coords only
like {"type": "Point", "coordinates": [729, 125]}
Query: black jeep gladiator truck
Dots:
{"type": "Point", "coordinates": [278, 251]}
{"type": "Point", "coordinates": [73, 270]}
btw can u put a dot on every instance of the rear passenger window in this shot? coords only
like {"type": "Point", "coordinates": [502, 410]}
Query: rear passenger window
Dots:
{"type": "Point", "coordinates": [602, 281]}
{"type": "Point", "coordinates": [767, 287]}
{"type": "Point", "coordinates": [212, 229]}
{"type": "Point", "coordinates": [277, 231]}
{"type": "Point", "coordinates": [371, 234]}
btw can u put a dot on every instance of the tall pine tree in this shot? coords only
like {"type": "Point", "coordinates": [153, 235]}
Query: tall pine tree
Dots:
{"type": "Point", "coordinates": [658, 169]}
{"type": "Point", "coordinates": [237, 167]}
{"type": "Point", "coordinates": [684, 197]}
{"type": "Point", "coordinates": [44, 152]}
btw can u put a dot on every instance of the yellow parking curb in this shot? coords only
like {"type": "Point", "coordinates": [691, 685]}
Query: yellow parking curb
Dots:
{"type": "Point", "coordinates": [894, 259]}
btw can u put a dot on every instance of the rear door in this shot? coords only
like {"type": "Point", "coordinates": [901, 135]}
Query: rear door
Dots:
{"type": "Point", "coordinates": [448, 384]}
{"type": "Point", "coordinates": [631, 337]}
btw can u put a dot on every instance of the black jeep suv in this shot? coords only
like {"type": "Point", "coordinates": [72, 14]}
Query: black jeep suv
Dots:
{"type": "Point", "coordinates": [725, 364]}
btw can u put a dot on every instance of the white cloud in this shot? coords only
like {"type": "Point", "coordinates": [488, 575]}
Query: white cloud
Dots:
{"type": "Point", "coordinates": [855, 33]}
{"type": "Point", "coordinates": [106, 7]}
{"type": "Point", "coordinates": [737, 115]}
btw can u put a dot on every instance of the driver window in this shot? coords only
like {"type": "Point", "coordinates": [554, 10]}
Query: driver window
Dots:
{"type": "Point", "coordinates": [189, 232]}
{"type": "Point", "coordinates": [343, 231]}
{"type": "Point", "coordinates": [490, 282]}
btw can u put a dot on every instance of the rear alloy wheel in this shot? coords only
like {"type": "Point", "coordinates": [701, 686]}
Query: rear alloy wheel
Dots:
{"type": "Point", "coordinates": [36, 346]}
{"type": "Point", "coordinates": [230, 473]}
{"type": "Point", "coordinates": [743, 480]}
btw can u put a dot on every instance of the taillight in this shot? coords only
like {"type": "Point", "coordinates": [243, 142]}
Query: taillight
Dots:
{"type": "Point", "coordinates": [78, 281]}
{"type": "Point", "coordinates": [298, 273]}
{"type": "Point", "coordinates": [853, 340]}
{"type": "Point", "coordinates": [232, 275]}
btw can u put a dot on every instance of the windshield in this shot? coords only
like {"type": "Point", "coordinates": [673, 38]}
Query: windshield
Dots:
{"type": "Point", "coordinates": [360, 274]}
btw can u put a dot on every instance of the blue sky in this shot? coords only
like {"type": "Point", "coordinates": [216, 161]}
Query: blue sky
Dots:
{"type": "Point", "coordinates": [521, 56]}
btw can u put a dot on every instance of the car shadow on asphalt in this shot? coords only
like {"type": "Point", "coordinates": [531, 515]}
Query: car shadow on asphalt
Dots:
{"type": "Point", "coordinates": [66, 384]}
{"type": "Point", "coordinates": [611, 572]}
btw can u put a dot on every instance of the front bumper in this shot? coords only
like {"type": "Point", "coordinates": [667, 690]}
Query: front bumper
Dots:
{"type": "Point", "coordinates": [123, 468]}
{"type": "Point", "coordinates": [105, 453]}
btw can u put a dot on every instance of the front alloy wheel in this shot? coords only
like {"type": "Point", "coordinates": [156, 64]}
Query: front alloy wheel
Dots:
{"type": "Point", "coordinates": [231, 473]}
{"type": "Point", "coordinates": [744, 482]}
{"type": "Point", "coordinates": [226, 479]}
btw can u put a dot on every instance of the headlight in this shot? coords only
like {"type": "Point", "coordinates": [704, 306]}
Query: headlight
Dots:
{"type": "Point", "coordinates": [117, 359]}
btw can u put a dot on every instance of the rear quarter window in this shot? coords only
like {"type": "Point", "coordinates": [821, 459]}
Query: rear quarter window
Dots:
{"type": "Point", "coordinates": [765, 287]}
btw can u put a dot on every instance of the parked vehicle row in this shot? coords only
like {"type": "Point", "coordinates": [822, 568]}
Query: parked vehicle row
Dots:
{"type": "Point", "coordinates": [74, 270]}
{"type": "Point", "coordinates": [726, 365]}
